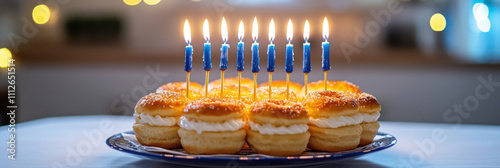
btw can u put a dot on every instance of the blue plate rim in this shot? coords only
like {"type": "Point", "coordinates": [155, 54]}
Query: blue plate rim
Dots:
{"type": "Point", "coordinates": [244, 158]}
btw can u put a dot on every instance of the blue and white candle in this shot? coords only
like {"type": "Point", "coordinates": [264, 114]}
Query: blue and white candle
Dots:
{"type": "Point", "coordinates": [240, 49]}
{"type": "Point", "coordinates": [271, 54]}
{"type": "Point", "coordinates": [289, 48]}
{"type": "Point", "coordinates": [325, 55]}
{"type": "Point", "coordinates": [224, 48]}
{"type": "Point", "coordinates": [255, 47]}
{"type": "Point", "coordinates": [306, 63]}
{"type": "Point", "coordinates": [207, 48]}
{"type": "Point", "coordinates": [188, 62]}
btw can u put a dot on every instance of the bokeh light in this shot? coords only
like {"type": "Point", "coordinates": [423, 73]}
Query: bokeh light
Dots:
{"type": "Point", "coordinates": [41, 14]}
{"type": "Point", "coordinates": [484, 25]}
{"type": "Point", "coordinates": [481, 12]}
{"type": "Point", "coordinates": [438, 22]}
{"type": "Point", "coordinates": [131, 2]}
{"type": "Point", "coordinates": [5, 56]}
{"type": "Point", "coordinates": [152, 2]}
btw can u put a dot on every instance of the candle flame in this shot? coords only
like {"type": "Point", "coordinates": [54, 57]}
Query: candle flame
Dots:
{"type": "Point", "coordinates": [241, 31]}
{"type": "Point", "coordinates": [206, 32]}
{"type": "Point", "coordinates": [306, 31]}
{"type": "Point", "coordinates": [224, 30]}
{"type": "Point", "coordinates": [326, 31]}
{"type": "Point", "coordinates": [187, 32]}
{"type": "Point", "coordinates": [271, 31]}
{"type": "Point", "coordinates": [289, 31]}
{"type": "Point", "coordinates": [255, 30]}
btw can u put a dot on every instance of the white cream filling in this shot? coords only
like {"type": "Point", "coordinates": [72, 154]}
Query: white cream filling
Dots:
{"type": "Point", "coordinates": [271, 129]}
{"type": "Point", "coordinates": [155, 120]}
{"type": "Point", "coordinates": [371, 117]}
{"type": "Point", "coordinates": [200, 126]}
{"type": "Point", "coordinates": [335, 122]}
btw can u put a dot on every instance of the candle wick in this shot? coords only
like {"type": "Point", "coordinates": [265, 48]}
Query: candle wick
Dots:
{"type": "Point", "coordinates": [254, 39]}
{"type": "Point", "coordinates": [207, 40]}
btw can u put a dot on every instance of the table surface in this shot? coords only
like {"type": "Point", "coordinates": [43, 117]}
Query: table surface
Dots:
{"type": "Point", "coordinates": [79, 142]}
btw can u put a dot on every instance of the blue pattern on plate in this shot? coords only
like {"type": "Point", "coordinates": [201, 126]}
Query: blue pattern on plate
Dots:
{"type": "Point", "coordinates": [382, 141]}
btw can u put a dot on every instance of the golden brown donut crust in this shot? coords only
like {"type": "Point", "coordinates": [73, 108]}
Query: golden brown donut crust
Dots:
{"type": "Point", "coordinates": [231, 81]}
{"type": "Point", "coordinates": [278, 145]}
{"type": "Point", "coordinates": [214, 109]}
{"type": "Point", "coordinates": [231, 92]}
{"type": "Point", "coordinates": [192, 85]}
{"type": "Point", "coordinates": [344, 86]}
{"type": "Point", "coordinates": [328, 103]}
{"type": "Point", "coordinates": [367, 103]}
{"type": "Point", "coordinates": [278, 112]}
{"type": "Point", "coordinates": [370, 130]}
{"type": "Point", "coordinates": [335, 139]}
{"type": "Point", "coordinates": [167, 103]}
{"type": "Point", "coordinates": [296, 87]}
{"type": "Point", "coordinates": [159, 136]}
{"type": "Point", "coordinates": [209, 142]}
{"type": "Point", "coordinates": [277, 93]}
{"type": "Point", "coordinates": [195, 89]}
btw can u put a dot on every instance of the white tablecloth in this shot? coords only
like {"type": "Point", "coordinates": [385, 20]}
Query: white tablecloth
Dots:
{"type": "Point", "coordinates": [79, 142]}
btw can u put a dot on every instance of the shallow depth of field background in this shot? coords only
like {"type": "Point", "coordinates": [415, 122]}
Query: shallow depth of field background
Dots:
{"type": "Point", "coordinates": [92, 57]}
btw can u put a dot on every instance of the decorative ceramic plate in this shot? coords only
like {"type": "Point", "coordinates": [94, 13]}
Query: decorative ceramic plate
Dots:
{"type": "Point", "coordinates": [126, 142]}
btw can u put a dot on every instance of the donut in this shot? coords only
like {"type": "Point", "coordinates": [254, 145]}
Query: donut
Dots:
{"type": "Point", "coordinates": [156, 117]}
{"type": "Point", "coordinates": [370, 109]}
{"type": "Point", "coordinates": [278, 128]}
{"type": "Point", "coordinates": [277, 93]}
{"type": "Point", "coordinates": [231, 81]}
{"type": "Point", "coordinates": [195, 89]}
{"type": "Point", "coordinates": [344, 86]}
{"type": "Point", "coordinates": [334, 120]}
{"type": "Point", "coordinates": [231, 92]}
{"type": "Point", "coordinates": [294, 86]}
{"type": "Point", "coordinates": [213, 126]}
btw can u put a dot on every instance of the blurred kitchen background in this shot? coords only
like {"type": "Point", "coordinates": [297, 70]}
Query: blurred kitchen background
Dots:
{"type": "Point", "coordinates": [94, 57]}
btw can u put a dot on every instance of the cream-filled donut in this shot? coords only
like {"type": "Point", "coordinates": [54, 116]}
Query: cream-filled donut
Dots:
{"type": "Point", "coordinates": [156, 118]}
{"type": "Point", "coordinates": [278, 127]}
{"type": "Point", "coordinates": [334, 120]}
{"type": "Point", "coordinates": [213, 126]}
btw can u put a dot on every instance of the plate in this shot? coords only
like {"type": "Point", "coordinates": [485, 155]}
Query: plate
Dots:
{"type": "Point", "coordinates": [125, 142]}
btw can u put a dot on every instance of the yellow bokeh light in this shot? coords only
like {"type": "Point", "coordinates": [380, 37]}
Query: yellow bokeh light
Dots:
{"type": "Point", "coordinates": [41, 14]}
{"type": "Point", "coordinates": [152, 2]}
{"type": "Point", "coordinates": [131, 2]}
{"type": "Point", "coordinates": [5, 56]}
{"type": "Point", "coordinates": [438, 22]}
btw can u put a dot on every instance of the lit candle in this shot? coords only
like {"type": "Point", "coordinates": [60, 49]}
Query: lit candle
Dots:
{"type": "Point", "coordinates": [188, 62]}
{"type": "Point", "coordinates": [289, 55]}
{"type": "Point", "coordinates": [306, 63]}
{"type": "Point", "coordinates": [325, 56]}
{"type": "Point", "coordinates": [207, 55]}
{"type": "Point", "coordinates": [271, 55]}
{"type": "Point", "coordinates": [223, 54]}
{"type": "Point", "coordinates": [240, 57]}
{"type": "Point", "coordinates": [289, 48]}
{"type": "Point", "coordinates": [255, 55]}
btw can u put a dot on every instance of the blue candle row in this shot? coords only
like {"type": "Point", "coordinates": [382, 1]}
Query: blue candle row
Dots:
{"type": "Point", "coordinates": [271, 54]}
